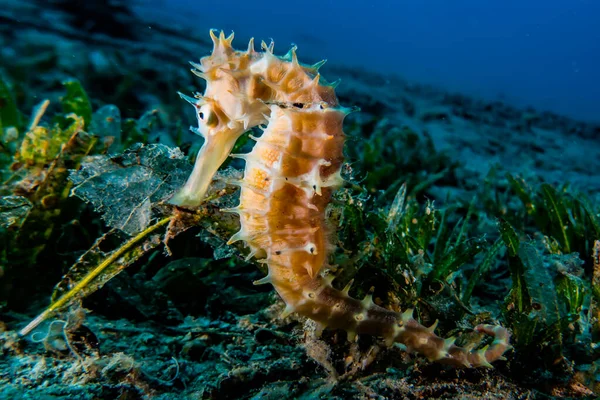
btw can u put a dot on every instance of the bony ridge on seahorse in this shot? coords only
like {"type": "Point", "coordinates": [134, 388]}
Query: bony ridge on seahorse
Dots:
{"type": "Point", "coordinates": [289, 178]}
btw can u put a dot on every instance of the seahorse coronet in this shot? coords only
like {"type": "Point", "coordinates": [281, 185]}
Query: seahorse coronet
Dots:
{"type": "Point", "coordinates": [289, 179]}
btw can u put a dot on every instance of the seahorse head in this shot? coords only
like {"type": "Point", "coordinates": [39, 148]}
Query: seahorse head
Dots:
{"type": "Point", "coordinates": [224, 112]}
{"type": "Point", "coordinates": [240, 88]}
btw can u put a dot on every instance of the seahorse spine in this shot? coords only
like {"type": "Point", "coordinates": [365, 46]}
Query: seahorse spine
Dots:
{"type": "Point", "coordinates": [289, 178]}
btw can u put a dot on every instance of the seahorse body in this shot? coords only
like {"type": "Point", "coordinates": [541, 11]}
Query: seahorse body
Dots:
{"type": "Point", "coordinates": [289, 178]}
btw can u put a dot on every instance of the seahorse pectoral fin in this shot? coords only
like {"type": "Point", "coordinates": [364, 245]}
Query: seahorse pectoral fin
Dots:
{"type": "Point", "coordinates": [213, 153]}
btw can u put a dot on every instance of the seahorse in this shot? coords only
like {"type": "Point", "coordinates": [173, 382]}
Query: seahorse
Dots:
{"type": "Point", "coordinates": [289, 178]}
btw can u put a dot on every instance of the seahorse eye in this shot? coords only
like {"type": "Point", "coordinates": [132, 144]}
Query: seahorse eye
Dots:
{"type": "Point", "coordinates": [207, 119]}
{"type": "Point", "coordinates": [204, 113]}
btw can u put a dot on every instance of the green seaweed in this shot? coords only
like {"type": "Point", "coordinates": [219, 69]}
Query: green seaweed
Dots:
{"type": "Point", "coordinates": [539, 285]}
{"type": "Point", "coordinates": [482, 269]}
{"type": "Point", "coordinates": [76, 101]}
{"type": "Point", "coordinates": [510, 237]}
{"type": "Point", "coordinates": [573, 291]}
{"type": "Point", "coordinates": [564, 215]}
{"type": "Point", "coordinates": [557, 213]}
{"type": "Point", "coordinates": [546, 308]}
{"type": "Point", "coordinates": [81, 284]}
{"type": "Point", "coordinates": [9, 113]}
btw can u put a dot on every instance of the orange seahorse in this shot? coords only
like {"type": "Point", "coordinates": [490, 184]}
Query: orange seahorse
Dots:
{"type": "Point", "coordinates": [289, 179]}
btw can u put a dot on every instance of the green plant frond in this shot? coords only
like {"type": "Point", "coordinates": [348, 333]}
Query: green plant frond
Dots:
{"type": "Point", "coordinates": [89, 282]}
{"type": "Point", "coordinates": [76, 101]}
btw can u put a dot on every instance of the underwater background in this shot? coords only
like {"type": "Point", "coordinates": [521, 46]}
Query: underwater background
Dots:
{"type": "Point", "coordinates": [472, 196]}
{"type": "Point", "coordinates": [544, 54]}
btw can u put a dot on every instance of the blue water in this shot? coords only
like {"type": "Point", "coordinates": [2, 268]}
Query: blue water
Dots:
{"type": "Point", "coordinates": [544, 53]}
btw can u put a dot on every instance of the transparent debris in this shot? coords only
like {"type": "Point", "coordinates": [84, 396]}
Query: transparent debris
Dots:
{"type": "Point", "coordinates": [126, 188]}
